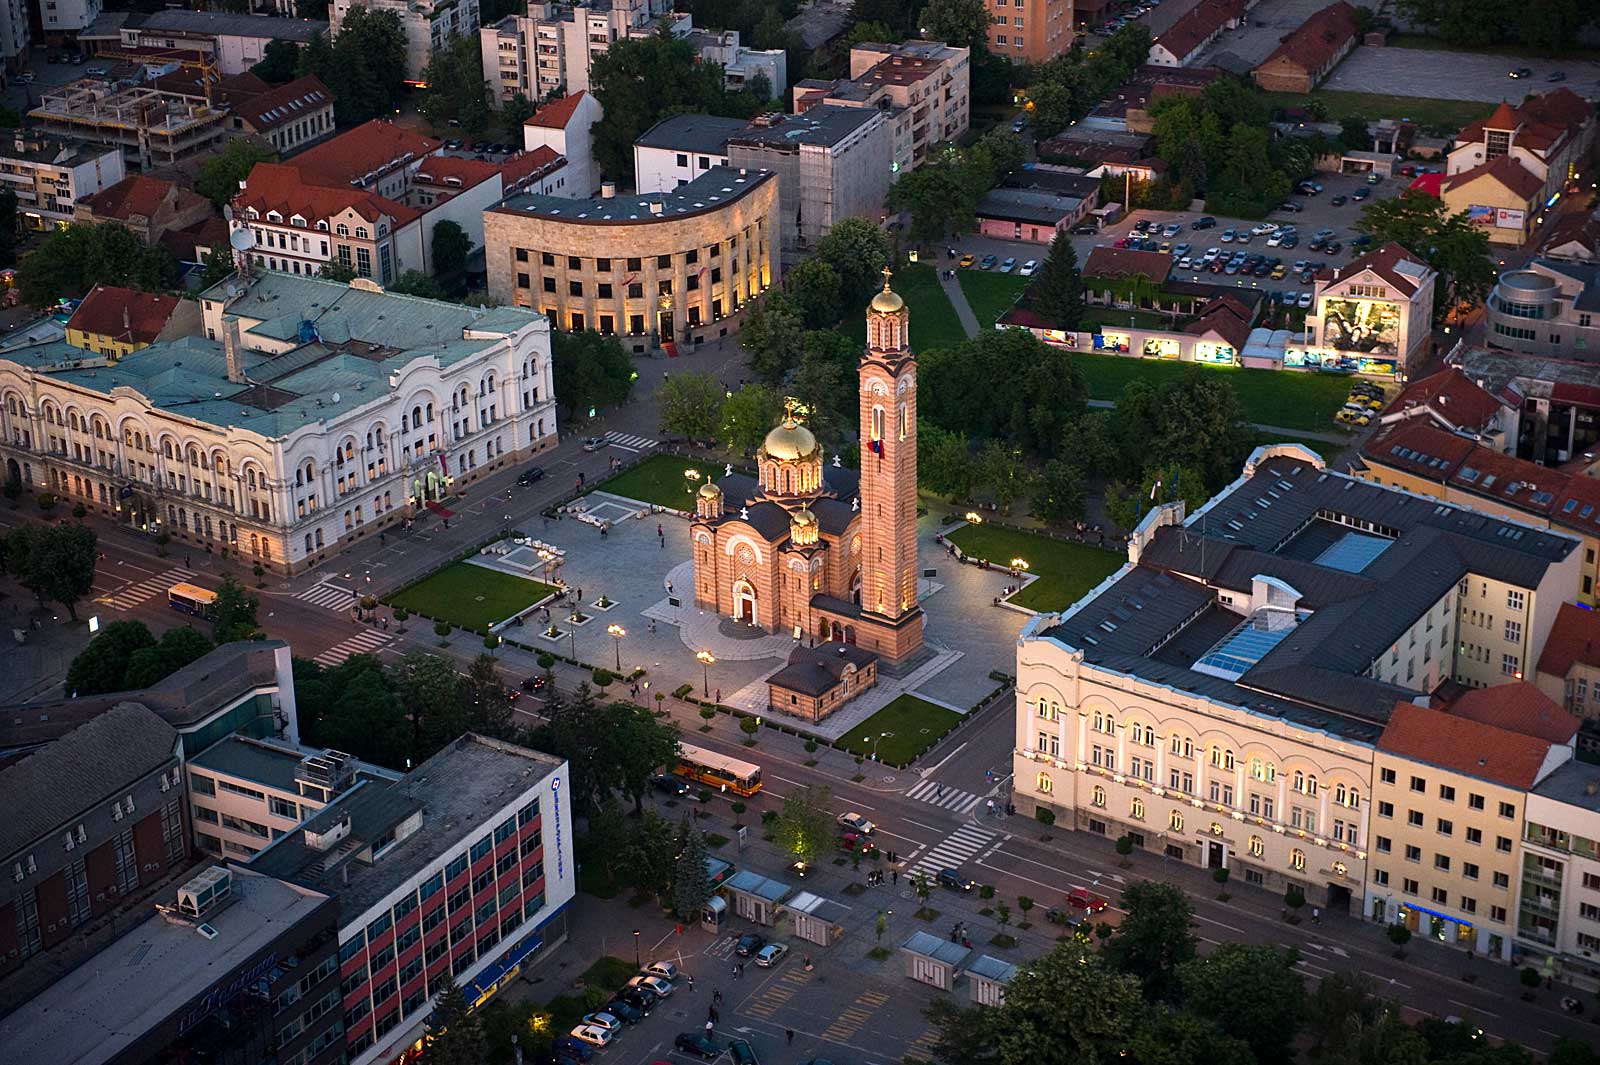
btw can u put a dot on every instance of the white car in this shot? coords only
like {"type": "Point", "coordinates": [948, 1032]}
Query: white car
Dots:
{"type": "Point", "coordinates": [770, 955]}
{"type": "Point", "coordinates": [661, 988]}
{"type": "Point", "coordinates": [1304, 302]}
{"type": "Point", "coordinates": [664, 969]}
{"type": "Point", "coordinates": [1029, 267]}
{"type": "Point", "coordinates": [855, 823]}
{"type": "Point", "coordinates": [96, 72]}
{"type": "Point", "coordinates": [1185, 263]}
{"type": "Point", "coordinates": [603, 1020]}
{"type": "Point", "coordinates": [1210, 255]}
{"type": "Point", "coordinates": [1275, 240]}
{"type": "Point", "coordinates": [1263, 227]}
{"type": "Point", "coordinates": [1300, 266]}
{"type": "Point", "coordinates": [1008, 266]}
{"type": "Point", "coordinates": [593, 1034]}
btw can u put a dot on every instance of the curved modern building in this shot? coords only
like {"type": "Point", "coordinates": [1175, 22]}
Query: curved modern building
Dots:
{"type": "Point", "coordinates": [654, 269]}
{"type": "Point", "coordinates": [1547, 308]}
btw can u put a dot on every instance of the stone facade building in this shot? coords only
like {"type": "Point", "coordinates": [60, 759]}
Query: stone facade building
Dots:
{"type": "Point", "coordinates": [663, 268]}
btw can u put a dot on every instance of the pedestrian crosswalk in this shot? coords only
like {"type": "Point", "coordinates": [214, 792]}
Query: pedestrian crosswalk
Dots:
{"type": "Point", "coordinates": [330, 596]}
{"type": "Point", "coordinates": [954, 850]}
{"type": "Point", "coordinates": [368, 641]}
{"type": "Point", "coordinates": [855, 1016]}
{"type": "Point", "coordinates": [131, 595]}
{"type": "Point", "coordinates": [630, 442]}
{"type": "Point", "coordinates": [773, 997]}
{"type": "Point", "coordinates": [922, 1050]}
{"type": "Point", "coordinates": [935, 794]}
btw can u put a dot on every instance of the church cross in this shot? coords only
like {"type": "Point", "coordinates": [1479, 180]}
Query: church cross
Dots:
{"type": "Point", "coordinates": [887, 274]}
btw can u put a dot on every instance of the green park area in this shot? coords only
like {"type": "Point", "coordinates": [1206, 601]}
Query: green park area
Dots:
{"type": "Point", "coordinates": [470, 597]}
{"type": "Point", "coordinates": [914, 726]}
{"type": "Point", "coordinates": [1065, 570]}
{"type": "Point", "coordinates": [663, 480]}
{"type": "Point", "coordinates": [933, 321]}
{"type": "Point", "coordinates": [1270, 397]}
{"type": "Point", "coordinates": [1424, 111]}
{"type": "Point", "coordinates": [1098, 318]}
{"type": "Point", "coordinates": [991, 295]}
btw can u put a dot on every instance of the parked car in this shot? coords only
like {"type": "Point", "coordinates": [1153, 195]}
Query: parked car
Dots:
{"type": "Point", "coordinates": [1276, 240]}
{"type": "Point", "coordinates": [1556, 75]}
{"type": "Point", "coordinates": [748, 944]}
{"type": "Point", "coordinates": [530, 475]}
{"type": "Point", "coordinates": [697, 1043]}
{"type": "Point", "coordinates": [571, 1049]}
{"type": "Point", "coordinates": [1374, 178]}
{"type": "Point", "coordinates": [967, 260]}
{"type": "Point", "coordinates": [855, 822]}
{"type": "Point", "coordinates": [1304, 302]}
{"type": "Point", "coordinates": [654, 984]}
{"type": "Point", "coordinates": [1185, 263]}
{"type": "Point", "coordinates": [1353, 416]}
{"type": "Point", "coordinates": [1360, 194]}
{"type": "Point", "coordinates": [1171, 229]}
{"type": "Point", "coordinates": [1338, 201]}
{"type": "Point", "coordinates": [592, 1034]}
{"type": "Point", "coordinates": [1263, 228]}
{"type": "Point", "coordinates": [593, 443]}
{"type": "Point", "coordinates": [1088, 229]}
{"type": "Point", "coordinates": [1360, 240]}
{"type": "Point", "coordinates": [601, 1019]}
{"type": "Point", "coordinates": [987, 263]}
{"type": "Point", "coordinates": [1227, 236]}
{"type": "Point", "coordinates": [1181, 249]}
{"type": "Point", "coordinates": [1018, 125]}
{"type": "Point", "coordinates": [96, 72]}
{"type": "Point", "coordinates": [1292, 240]}
{"type": "Point", "coordinates": [629, 1013]}
{"type": "Point", "coordinates": [1243, 238]}
{"type": "Point", "coordinates": [1029, 267]}
{"type": "Point", "coordinates": [1083, 900]}
{"type": "Point", "coordinates": [664, 969]}
{"type": "Point", "coordinates": [951, 879]}
{"type": "Point", "coordinates": [640, 998]}
{"type": "Point", "coordinates": [741, 1053]}
{"type": "Point", "coordinates": [1291, 206]}
{"type": "Point", "coordinates": [1279, 272]}
{"type": "Point", "coordinates": [1520, 72]}
{"type": "Point", "coordinates": [1205, 221]}
{"type": "Point", "coordinates": [770, 955]}
{"type": "Point", "coordinates": [1333, 247]}
{"type": "Point", "coordinates": [1008, 266]}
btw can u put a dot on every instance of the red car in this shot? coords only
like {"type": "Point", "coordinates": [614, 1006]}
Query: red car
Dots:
{"type": "Point", "coordinates": [855, 841]}
{"type": "Point", "coordinates": [1080, 899]}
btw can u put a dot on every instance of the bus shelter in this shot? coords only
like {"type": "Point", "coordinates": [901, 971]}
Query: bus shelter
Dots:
{"type": "Point", "coordinates": [989, 979]}
{"type": "Point", "coordinates": [816, 919]}
{"type": "Point", "coordinates": [755, 897]}
{"type": "Point", "coordinates": [934, 961]}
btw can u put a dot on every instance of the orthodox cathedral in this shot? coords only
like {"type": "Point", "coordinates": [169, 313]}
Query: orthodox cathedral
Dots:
{"type": "Point", "coordinates": [824, 553]}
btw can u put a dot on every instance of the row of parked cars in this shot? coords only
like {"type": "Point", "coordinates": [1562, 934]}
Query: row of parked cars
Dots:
{"type": "Point", "coordinates": [988, 262]}
{"type": "Point", "coordinates": [1361, 405]}
{"type": "Point", "coordinates": [1138, 11]}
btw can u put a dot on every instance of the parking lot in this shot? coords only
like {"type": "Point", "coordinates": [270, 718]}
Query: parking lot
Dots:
{"type": "Point", "coordinates": [1458, 75]}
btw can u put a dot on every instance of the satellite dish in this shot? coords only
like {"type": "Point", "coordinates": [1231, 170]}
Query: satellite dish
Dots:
{"type": "Point", "coordinates": [241, 240]}
{"type": "Point", "coordinates": [336, 397]}
{"type": "Point", "coordinates": [234, 290]}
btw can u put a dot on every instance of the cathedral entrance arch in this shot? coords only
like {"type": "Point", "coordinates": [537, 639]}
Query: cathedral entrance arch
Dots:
{"type": "Point", "coordinates": [744, 603]}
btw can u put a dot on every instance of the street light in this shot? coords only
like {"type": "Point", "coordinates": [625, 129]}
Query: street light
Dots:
{"type": "Point", "coordinates": [881, 737]}
{"type": "Point", "coordinates": [572, 631]}
{"type": "Point", "coordinates": [617, 633]}
{"type": "Point", "coordinates": [692, 476]}
{"type": "Point", "coordinates": [974, 517]}
{"type": "Point", "coordinates": [636, 948]}
{"type": "Point", "coordinates": [706, 658]}
{"type": "Point", "coordinates": [1020, 563]}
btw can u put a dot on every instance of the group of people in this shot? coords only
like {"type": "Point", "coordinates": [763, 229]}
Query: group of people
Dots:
{"type": "Point", "coordinates": [958, 934]}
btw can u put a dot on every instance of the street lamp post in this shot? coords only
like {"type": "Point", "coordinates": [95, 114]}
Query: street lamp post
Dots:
{"type": "Point", "coordinates": [881, 737]}
{"type": "Point", "coordinates": [572, 631]}
{"type": "Point", "coordinates": [617, 633]}
{"type": "Point", "coordinates": [706, 658]}
{"type": "Point", "coordinates": [974, 517]}
{"type": "Point", "coordinates": [636, 948]}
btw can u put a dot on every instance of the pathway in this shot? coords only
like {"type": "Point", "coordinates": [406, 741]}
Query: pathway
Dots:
{"type": "Point", "coordinates": [958, 300]}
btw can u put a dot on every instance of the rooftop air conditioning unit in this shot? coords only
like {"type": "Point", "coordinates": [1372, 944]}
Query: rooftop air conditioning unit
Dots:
{"type": "Point", "coordinates": [206, 893]}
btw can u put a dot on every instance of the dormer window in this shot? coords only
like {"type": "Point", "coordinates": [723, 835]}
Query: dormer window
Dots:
{"type": "Point", "coordinates": [274, 216]}
{"type": "Point", "coordinates": [251, 213]}
{"type": "Point", "coordinates": [297, 220]}
{"type": "Point", "coordinates": [322, 225]}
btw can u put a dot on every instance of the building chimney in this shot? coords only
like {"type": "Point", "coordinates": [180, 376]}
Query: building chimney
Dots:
{"type": "Point", "coordinates": [231, 349]}
{"type": "Point", "coordinates": [608, 189]}
{"type": "Point", "coordinates": [656, 206]}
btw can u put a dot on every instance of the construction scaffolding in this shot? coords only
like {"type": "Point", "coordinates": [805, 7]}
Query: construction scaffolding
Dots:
{"type": "Point", "coordinates": [153, 128]}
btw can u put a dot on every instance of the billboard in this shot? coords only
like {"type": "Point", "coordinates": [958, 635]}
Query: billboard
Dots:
{"type": "Point", "coordinates": [1497, 217]}
{"type": "Point", "coordinates": [1369, 326]}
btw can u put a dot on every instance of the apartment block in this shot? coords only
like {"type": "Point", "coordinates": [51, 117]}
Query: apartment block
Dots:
{"type": "Point", "coordinates": [50, 176]}
{"type": "Point", "coordinates": [554, 45]}
{"type": "Point", "coordinates": [1030, 31]}
{"type": "Point", "coordinates": [1221, 699]}
{"type": "Point", "coordinates": [1558, 900]}
{"type": "Point", "coordinates": [923, 87]}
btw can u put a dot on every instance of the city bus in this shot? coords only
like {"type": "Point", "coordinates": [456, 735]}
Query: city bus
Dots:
{"type": "Point", "coordinates": [192, 599]}
{"type": "Point", "coordinates": [718, 770]}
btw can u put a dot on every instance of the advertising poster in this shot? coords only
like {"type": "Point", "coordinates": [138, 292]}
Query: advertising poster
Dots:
{"type": "Point", "coordinates": [1479, 215]}
{"type": "Point", "coordinates": [1505, 218]}
{"type": "Point", "coordinates": [1368, 326]}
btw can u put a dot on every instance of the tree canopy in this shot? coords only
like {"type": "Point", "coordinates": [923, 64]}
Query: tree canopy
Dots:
{"type": "Point", "coordinates": [748, 414]}
{"type": "Point", "coordinates": [774, 336]}
{"type": "Point", "coordinates": [73, 259]}
{"type": "Point", "coordinates": [591, 371]}
{"type": "Point", "coordinates": [857, 250]}
{"type": "Point", "coordinates": [691, 405]}
{"type": "Point", "coordinates": [451, 246]}
{"type": "Point", "coordinates": [456, 89]}
{"type": "Point", "coordinates": [1056, 293]}
{"type": "Point", "coordinates": [365, 66]}
{"type": "Point", "coordinates": [804, 827]}
{"type": "Point", "coordinates": [1552, 26]}
{"type": "Point", "coordinates": [1044, 390]}
{"type": "Point", "coordinates": [1217, 145]}
{"type": "Point", "coordinates": [235, 612]}
{"type": "Point", "coordinates": [1448, 242]}
{"type": "Point", "coordinates": [220, 174]}
{"type": "Point", "coordinates": [278, 62]}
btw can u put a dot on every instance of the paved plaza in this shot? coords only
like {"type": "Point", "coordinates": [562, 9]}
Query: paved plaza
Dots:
{"type": "Point", "coordinates": [640, 571]}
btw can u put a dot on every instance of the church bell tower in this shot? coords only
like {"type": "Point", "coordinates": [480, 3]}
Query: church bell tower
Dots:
{"type": "Point", "coordinates": [889, 573]}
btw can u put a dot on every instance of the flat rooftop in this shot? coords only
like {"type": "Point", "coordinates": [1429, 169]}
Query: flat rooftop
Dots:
{"type": "Point", "coordinates": [706, 134]}
{"type": "Point", "coordinates": [711, 191]}
{"type": "Point", "coordinates": [456, 791]}
{"type": "Point", "coordinates": [824, 125]}
{"type": "Point", "coordinates": [1570, 784]}
{"type": "Point", "coordinates": [1347, 567]}
{"type": "Point", "coordinates": [96, 1011]}
{"type": "Point", "coordinates": [271, 763]}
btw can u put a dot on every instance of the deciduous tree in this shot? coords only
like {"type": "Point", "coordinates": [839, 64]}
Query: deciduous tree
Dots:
{"type": "Point", "coordinates": [234, 616]}
{"type": "Point", "coordinates": [747, 416]}
{"type": "Point", "coordinates": [1003, 470]}
{"type": "Point", "coordinates": [1058, 492]}
{"type": "Point", "coordinates": [417, 283]}
{"type": "Point", "coordinates": [176, 649]}
{"type": "Point", "coordinates": [945, 463]}
{"type": "Point", "coordinates": [102, 666]}
{"type": "Point", "coordinates": [638, 744]}
{"type": "Point", "coordinates": [63, 564]}
{"type": "Point", "coordinates": [456, 89]}
{"type": "Point", "coordinates": [486, 701]}
{"type": "Point", "coordinates": [804, 825]}
{"type": "Point", "coordinates": [365, 66]}
{"type": "Point", "coordinates": [451, 245]}
{"type": "Point", "coordinates": [958, 23]}
{"type": "Point", "coordinates": [774, 335]}
{"type": "Point", "coordinates": [591, 371]}
{"type": "Point", "coordinates": [642, 80]}
{"type": "Point", "coordinates": [814, 287]}
{"type": "Point", "coordinates": [1251, 992]}
{"type": "Point", "coordinates": [858, 251]}
{"type": "Point", "coordinates": [691, 404]}
{"type": "Point", "coordinates": [278, 62]}
{"type": "Point", "coordinates": [72, 260]}
{"type": "Point", "coordinates": [1155, 937]}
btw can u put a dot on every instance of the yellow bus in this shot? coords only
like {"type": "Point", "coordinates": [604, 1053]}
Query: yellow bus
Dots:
{"type": "Point", "coordinates": [192, 599]}
{"type": "Point", "coordinates": [718, 770]}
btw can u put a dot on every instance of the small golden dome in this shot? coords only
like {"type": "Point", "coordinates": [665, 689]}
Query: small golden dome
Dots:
{"type": "Point", "coordinates": [887, 301]}
{"type": "Point", "coordinates": [804, 518]}
{"type": "Point", "coordinates": [790, 441]}
{"type": "Point", "coordinates": [709, 490]}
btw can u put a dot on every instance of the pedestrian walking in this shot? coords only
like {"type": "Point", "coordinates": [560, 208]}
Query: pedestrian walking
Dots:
{"type": "Point", "coordinates": [716, 996]}
{"type": "Point", "coordinates": [710, 1027]}
{"type": "Point", "coordinates": [659, 530]}
{"type": "Point", "coordinates": [896, 874]}
{"type": "Point", "coordinates": [788, 1035]}
{"type": "Point", "coordinates": [687, 976]}
{"type": "Point", "coordinates": [186, 561]}
{"type": "Point", "coordinates": [719, 695]}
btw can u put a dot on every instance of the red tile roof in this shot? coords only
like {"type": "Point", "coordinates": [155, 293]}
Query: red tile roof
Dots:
{"type": "Point", "coordinates": [524, 166]}
{"type": "Point", "coordinates": [1317, 40]}
{"type": "Point", "coordinates": [289, 102]}
{"type": "Point", "coordinates": [1198, 25]}
{"type": "Point", "coordinates": [1577, 228]}
{"type": "Point", "coordinates": [1452, 397]}
{"type": "Point", "coordinates": [282, 187]}
{"type": "Point", "coordinates": [439, 170]}
{"type": "Point", "coordinates": [1109, 262]}
{"type": "Point", "coordinates": [557, 113]}
{"type": "Point", "coordinates": [123, 314]}
{"type": "Point", "coordinates": [1429, 184]}
{"type": "Point", "coordinates": [1385, 262]}
{"type": "Point", "coordinates": [1518, 707]}
{"type": "Point", "coordinates": [209, 233]}
{"type": "Point", "coordinates": [1574, 638]}
{"type": "Point", "coordinates": [1226, 317]}
{"type": "Point", "coordinates": [373, 145]}
{"type": "Point", "coordinates": [1465, 746]}
{"type": "Point", "coordinates": [1504, 169]}
{"type": "Point", "coordinates": [1418, 447]}
{"type": "Point", "coordinates": [137, 195]}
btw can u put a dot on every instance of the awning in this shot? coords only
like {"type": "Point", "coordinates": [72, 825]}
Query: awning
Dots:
{"type": "Point", "coordinates": [486, 982]}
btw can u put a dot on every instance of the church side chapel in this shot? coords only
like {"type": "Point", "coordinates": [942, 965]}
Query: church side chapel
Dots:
{"type": "Point", "coordinates": [824, 553]}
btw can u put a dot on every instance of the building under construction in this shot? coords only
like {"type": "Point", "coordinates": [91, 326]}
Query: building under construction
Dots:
{"type": "Point", "coordinates": [153, 128]}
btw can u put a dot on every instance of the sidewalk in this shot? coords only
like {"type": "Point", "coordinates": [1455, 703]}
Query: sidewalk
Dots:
{"type": "Point", "coordinates": [958, 300]}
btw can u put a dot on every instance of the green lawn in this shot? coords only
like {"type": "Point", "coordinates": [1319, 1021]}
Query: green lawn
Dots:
{"type": "Point", "coordinates": [1095, 318]}
{"type": "Point", "coordinates": [660, 479]}
{"type": "Point", "coordinates": [470, 597]}
{"type": "Point", "coordinates": [933, 321]}
{"type": "Point", "coordinates": [1271, 397]}
{"type": "Point", "coordinates": [917, 725]}
{"type": "Point", "coordinates": [1065, 570]}
{"type": "Point", "coordinates": [1423, 110]}
{"type": "Point", "coordinates": [990, 295]}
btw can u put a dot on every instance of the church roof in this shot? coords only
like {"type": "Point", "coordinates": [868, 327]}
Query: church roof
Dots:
{"type": "Point", "coordinates": [817, 671]}
{"type": "Point", "coordinates": [833, 515]}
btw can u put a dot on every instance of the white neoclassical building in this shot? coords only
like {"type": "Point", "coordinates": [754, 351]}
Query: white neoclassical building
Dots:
{"type": "Point", "coordinates": [1220, 698]}
{"type": "Point", "coordinates": [310, 414]}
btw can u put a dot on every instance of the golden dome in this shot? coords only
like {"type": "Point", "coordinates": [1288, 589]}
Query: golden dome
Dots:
{"type": "Point", "coordinates": [887, 301]}
{"type": "Point", "coordinates": [804, 518]}
{"type": "Point", "coordinates": [790, 441]}
{"type": "Point", "coordinates": [709, 490]}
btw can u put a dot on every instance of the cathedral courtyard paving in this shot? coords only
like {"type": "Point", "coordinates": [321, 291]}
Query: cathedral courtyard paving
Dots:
{"type": "Point", "coordinates": [631, 566]}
